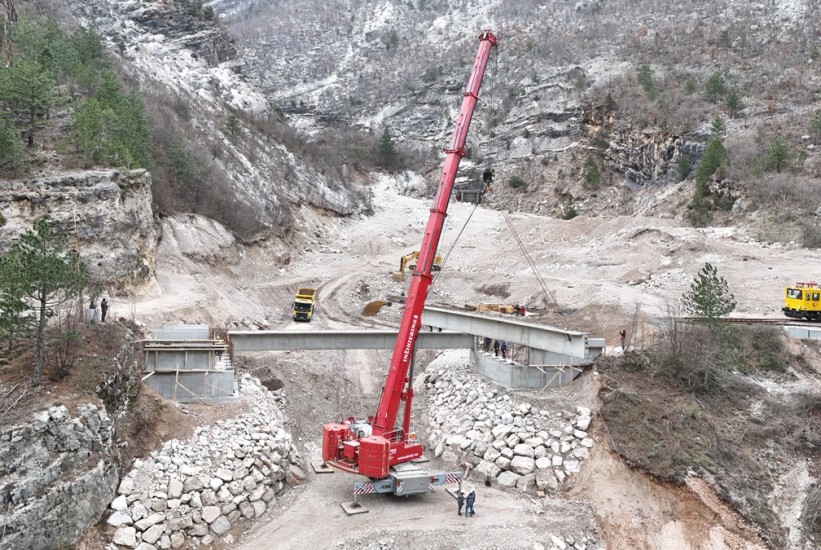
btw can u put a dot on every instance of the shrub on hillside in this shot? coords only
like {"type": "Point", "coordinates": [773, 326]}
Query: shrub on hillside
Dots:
{"type": "Point", "coordinates": [569, 212]}
{"type": "Point", "coordinates": [784, 195]}
{"type": "Point", "coordinates": [674, 409]}
{"type": "Point", "coordinates": [516, 182]}
{"type": "Point", "coordinates": [811, 235]}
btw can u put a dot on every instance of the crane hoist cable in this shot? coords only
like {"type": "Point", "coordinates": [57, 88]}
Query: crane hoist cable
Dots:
{"type": "Point", "coordinates": [550, 298]}
{"type": "Point", "coordinates": [453, 245]}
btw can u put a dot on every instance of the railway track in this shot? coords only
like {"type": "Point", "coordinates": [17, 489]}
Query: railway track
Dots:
{"type": "Point", "coordinates": [759, 321]}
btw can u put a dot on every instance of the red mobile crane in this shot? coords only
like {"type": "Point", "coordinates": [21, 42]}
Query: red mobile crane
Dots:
{"type": "Point", "coordinates": [376, 447]}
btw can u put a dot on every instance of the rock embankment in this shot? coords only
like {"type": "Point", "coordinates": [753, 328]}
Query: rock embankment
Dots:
{"type": "Point", "coordinates": [192, 492]}
{"type": "Point", "coordinates": [57, 473]}
{"type": "Point", "coordinates": [501, 438]}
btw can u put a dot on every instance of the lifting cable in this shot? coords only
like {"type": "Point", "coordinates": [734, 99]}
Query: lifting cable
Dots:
{"type": "Point", "coordinates": [551, 300]}
{"type": "Point", "coordinates": [452, 246]}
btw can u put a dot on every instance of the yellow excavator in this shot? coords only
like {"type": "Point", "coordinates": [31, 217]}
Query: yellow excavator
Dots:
{"type": "Point", "coordinates": [405, 264]}
{"type": "Point", "coordinates": [501, 308]}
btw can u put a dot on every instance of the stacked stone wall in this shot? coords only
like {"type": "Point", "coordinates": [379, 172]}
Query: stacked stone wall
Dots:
{"type": "Point", "coordinates": [501, 437]}
{"type": "Point", "coordinates": [191, 493]}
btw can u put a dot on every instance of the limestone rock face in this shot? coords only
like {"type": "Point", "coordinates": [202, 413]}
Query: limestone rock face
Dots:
{"type": "Point", "coordinates": [106, 213]}
{"type": "Point", "coordinates": [57, 475]}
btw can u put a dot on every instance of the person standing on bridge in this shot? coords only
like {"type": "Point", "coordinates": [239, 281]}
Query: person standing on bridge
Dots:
{"type": "Point", "coordinates": [496, 348]}
{"type": "Point", "coordinates": [504, 349]}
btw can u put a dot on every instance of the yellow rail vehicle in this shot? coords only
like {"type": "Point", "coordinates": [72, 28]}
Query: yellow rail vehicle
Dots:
{"type": "Point", "coordinates": [803, 301]}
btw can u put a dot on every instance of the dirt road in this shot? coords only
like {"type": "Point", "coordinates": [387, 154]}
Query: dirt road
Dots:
{"type": "Point", "coordinates": [312, 518]}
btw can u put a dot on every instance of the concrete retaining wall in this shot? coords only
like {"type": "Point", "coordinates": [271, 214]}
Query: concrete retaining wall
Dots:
{"type": "Point", "coordinates": [522, 377]}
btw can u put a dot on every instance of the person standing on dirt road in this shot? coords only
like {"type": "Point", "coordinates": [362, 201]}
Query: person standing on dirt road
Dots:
{"type": "Point", "coordinates": [469, 503]}
{"type": "Point", "coordinates": [103, 309]}
{"type": "Point", "coordinates": [622, 336]}
{"type": "Point", "coordinates": [460, 501]}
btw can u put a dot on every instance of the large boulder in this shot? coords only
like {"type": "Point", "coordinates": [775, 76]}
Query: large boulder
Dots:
{"type": "Point", "coordinates": [522, 465]}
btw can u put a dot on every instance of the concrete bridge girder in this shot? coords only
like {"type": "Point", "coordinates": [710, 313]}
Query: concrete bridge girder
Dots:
{"type": "Point", "coordinates": [566, 343]}
{"type": "Point", "coordinates": [548, 345]}
{"type": "Point", "coordinates": [281, 340]}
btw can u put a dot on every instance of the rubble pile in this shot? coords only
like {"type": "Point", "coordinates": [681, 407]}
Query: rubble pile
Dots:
{"type": "Point", "coordinates": [191, 492]}
{"type": "Point", "coordinates": [478, 425]}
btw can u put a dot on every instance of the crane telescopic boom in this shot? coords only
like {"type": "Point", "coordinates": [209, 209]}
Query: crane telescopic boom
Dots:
{"type": "Point", "coordinates": [371, 447]}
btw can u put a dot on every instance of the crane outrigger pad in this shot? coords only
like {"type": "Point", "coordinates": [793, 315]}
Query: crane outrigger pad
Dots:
{"type": "Point", "coordinates": [354, 508]}
{"type": "Point", "coordinates": [321, 467]}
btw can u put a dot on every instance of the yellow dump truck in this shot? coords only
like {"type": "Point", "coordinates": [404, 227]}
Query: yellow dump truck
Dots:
{"type": "Point", "coordinates": [304, 304]}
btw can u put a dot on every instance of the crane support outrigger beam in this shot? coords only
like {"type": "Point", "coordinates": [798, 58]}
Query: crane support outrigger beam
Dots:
{"type": "Point", "coordinates": [376, 447]}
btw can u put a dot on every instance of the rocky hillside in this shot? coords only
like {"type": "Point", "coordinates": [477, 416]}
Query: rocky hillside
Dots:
{"type": "Point", "coordinates": [107, 212]}
{"type": "Point", "coordinates": [187, 67]}
{"type": "Point", "coordinates": [403, 65]}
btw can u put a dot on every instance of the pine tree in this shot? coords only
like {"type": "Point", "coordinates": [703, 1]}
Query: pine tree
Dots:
{"type": "Point", "coordinates": [26, 93]}
{"type": "Point", "coordinates": [778, 153]}
{"type": "Point", "coordinates": [716, 86]}
{"type": "Point", "coordinates": [714, 156]}
{"type": "Point", "coordinates": [815, 126]}
{"type": "Point", "coordinates": [11, 146]}
{"type": "Point", "coordinates": [590, 173]}
{"type": "Point", "coordinates": [386, 150]}
{"type": "Point", "coordinates": [13, 319]}
{"type": "Point", "coordinates": [718, 127]}
{"type": "Point", "coordinates": [232, 125]}
{"type": "Point", "coordinates": [645, 77]}
{"type": "Point", "coordinates": [134, 129]}
{"type": "Point", "coordinates": [733, 102]}
{"type": "Point", "coordinates": [40, 268]}
{"type": "Point", "coordinates": [709, 296]}
{"type": "Point", "coordinates": [87, 126]}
